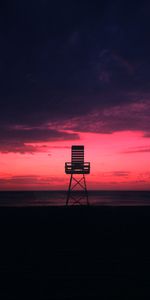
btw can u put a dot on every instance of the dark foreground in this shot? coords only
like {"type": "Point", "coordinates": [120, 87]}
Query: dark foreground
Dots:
{"type": "Point", "coordinates": [75, 253]}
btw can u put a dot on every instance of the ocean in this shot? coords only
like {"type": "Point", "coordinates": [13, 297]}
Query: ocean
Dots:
{"type": "Point", "coordinates": [58, 198]}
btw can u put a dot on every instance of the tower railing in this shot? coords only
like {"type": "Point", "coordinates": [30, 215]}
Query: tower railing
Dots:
{"type": "Point", "coordinates": [77, 168]}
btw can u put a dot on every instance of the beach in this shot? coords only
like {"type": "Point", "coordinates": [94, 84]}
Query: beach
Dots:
{"type": "Point", "coordinates": [75, 252]}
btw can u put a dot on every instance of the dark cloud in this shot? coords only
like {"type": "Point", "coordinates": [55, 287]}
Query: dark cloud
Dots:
{"type": "Point", "coordinates": [123, 174]}
{"type": "Point", "coordinates": [29, 135]}
{"type": "Point", "coordinates": [137, 150]}
{"type": "Point", "coordinates": [147, 134]}
{"type": "Point", "coordinates": [17, 139]}
{"type": "Point", "coordinates": [63, 60]}
{"type": "Point", "coordinates": [59, 147]}
{"type": "Point", "coordinates": [19, 147]}
{"type": "Point", "coordinates": [120, 173]}
{"type": "Point", "coordinates": [134, 116]}
{"type": "Point", "coordinates": [29, 180]}
{"type": "Point", "coordinates": [141, 181]}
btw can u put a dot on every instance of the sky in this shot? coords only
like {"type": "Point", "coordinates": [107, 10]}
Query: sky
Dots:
{"type": "Point", "coordinates": [74, 73]}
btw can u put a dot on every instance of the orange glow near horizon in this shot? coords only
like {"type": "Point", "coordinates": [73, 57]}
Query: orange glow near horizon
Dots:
{"type": "Point", "coordinates": [118, 161]}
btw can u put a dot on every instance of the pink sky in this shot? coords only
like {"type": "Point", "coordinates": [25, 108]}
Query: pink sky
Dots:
{"type": "Point", "coordinates": [118, 161]}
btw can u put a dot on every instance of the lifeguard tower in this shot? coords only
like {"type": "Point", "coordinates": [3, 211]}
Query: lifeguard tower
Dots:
{"type": "Point", "coordinates": [77, 168]}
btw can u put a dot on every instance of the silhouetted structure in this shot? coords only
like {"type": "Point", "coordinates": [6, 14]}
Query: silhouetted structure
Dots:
{"type": "Point", "coordinates": [77, 191]}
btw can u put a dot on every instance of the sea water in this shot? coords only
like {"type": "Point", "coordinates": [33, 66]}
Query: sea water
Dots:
{"type": "Point", "coordinates": [58, 198]}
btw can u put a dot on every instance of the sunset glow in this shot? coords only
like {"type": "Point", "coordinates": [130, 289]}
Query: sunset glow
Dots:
{"type": "Point", "coordinates": [118, 161]}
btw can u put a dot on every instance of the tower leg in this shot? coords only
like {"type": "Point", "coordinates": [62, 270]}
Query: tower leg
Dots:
{"type": "Point", "coordinates": [86, 192]}
{"type": "Point", "coordinates": [69, 190]}
{"type": "Point", "coordinates": [77, 196]}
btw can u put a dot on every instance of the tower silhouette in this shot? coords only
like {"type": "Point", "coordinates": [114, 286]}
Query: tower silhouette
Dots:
{"type": "Point", "coordinates": [77, 168]}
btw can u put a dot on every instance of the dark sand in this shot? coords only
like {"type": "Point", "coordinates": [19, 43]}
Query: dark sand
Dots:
{"type": "Point", "coordinates": [75, 253]}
